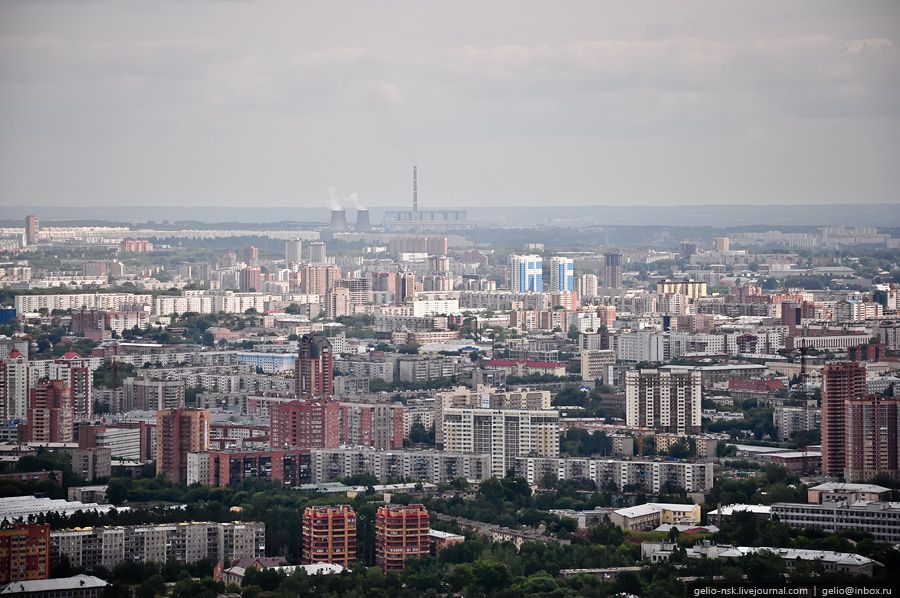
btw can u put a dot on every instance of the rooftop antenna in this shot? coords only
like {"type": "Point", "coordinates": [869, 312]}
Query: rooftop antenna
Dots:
{"type": "Point", "coordinates": [415, 191]}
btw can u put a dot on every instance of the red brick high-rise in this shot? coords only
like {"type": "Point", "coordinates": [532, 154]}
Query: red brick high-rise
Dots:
{"type": "Point", "coordinates": [401, 532]}
{"type": "Point", "coordinates": [50, 412]}
{"type": "Point", "coordinates": [329, 535]}
{"type": "Point", "coordinates": [315, 367]}
{"type": "Point", "coordinates": [24, 553]}
{"type": "Point", "coordinates": [841, 382]}
{"type": "Point", "coordinates": [305, 424]}
{"type": "Point", "coordinates": [179, 432]}
{"type": "Point", "coordinates": [873, 443]}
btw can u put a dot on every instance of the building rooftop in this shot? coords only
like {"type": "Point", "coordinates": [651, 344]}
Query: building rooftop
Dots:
{"type": "Point", "coordinates": [434, 533]}
{"type": "Point", "coordinates": [653, 507]}
{"type": "Point", "coordinates": [750, 448]}
{"type": "Point", "coordinates": [21, 507]}
{"type": "Point", "coordinates": [845, 487]}
{"type": "Point", "coordinates": [666, 527]}
{"type": "Point", "coordinates": [77, 582]}
{"type": "Point", "coordinates": [838, 558]}
{"type": "Point", "coordinates": [727, 510]}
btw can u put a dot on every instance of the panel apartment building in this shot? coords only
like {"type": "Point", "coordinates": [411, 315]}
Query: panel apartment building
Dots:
{"type": "Point", "coordinates": [504, 434]}
{"type": "Point", "coordinates": [181, 542]}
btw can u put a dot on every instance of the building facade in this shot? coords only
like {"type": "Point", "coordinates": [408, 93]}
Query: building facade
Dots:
{"type": "Point", "coordinates": [401, 532]}
{"type": "Point", "coordinates": [179, 432]}
{"type": "Point", "coordinates": [329, 535]}
{"type": "Point", "coordinates": [664, 400]}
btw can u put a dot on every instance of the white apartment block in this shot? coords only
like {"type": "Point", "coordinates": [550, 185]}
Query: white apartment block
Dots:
{"type": "Point", "coordinates": [594, 364]}
{"type": "Point", "coordinates": [650, 476]}
{"type": "Point", "coordinates": [486, 398]}
{"type": "Point", "coordinates": [665, 400]}
{"type": "Point", "coordinates": [180, 542]}
{"type": "Point", "coordinates": [329, 465]}
{"type": "Point", "coordinates": [106, 301]}
{"type": "Point", "coordinates": [880, 519]}
{"type": "Point", "coordinates": [505, 434]}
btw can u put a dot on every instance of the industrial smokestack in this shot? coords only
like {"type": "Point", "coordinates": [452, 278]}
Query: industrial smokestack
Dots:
{"type": "Point", "coordinates": [338, 221]}
{"type": "Point", "coordinates": [415, 191]}
{"type": "Point", "coordinates": [363, 224]}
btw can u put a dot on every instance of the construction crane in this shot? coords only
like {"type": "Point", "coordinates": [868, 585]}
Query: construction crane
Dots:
{"type": "Point", "coordinates": [790, 354]}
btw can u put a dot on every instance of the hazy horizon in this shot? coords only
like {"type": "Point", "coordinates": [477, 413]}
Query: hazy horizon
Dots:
{"type": "Point", "coordinates": [290, 105]}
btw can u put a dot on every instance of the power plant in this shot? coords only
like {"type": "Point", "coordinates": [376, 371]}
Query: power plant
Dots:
{"type": "Point", "coordinates": [338, 221]}
{"type": "Point", "coordinates": [363, 224]}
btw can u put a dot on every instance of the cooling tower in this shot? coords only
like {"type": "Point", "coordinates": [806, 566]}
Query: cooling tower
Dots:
{"type": "Point", "coordinates": [363, 224]}
{"type": "Point", "coordinates": [338, 221]}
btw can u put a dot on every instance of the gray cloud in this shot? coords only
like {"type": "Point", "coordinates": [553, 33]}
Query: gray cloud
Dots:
{"type": "Point", "coordinates": [505, 103]}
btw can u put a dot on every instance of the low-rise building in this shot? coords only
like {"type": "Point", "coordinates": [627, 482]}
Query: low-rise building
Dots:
{"type": "Point", "coordinates": [440, 540]}
{"type": "Point", "coordinates": [828, 561]}
{"type": "Point", "coordinates": [78, 586]}
{"type": "Point", "coordinates": [880, 519]}
{"type": "Point", "coordinates": [831, 492]}
{"type": "Point", "coordinates": [649, 516]}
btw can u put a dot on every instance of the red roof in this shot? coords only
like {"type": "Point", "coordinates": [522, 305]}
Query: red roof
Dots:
{"type": "Point", "coordinates": [70, 354]}
{"type": "Point", "coordinates": [14, 354]}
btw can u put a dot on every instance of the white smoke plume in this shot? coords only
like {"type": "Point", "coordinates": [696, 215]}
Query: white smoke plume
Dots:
{"type": "Point", "coordinates": [353, 198]}
{"type": "Point", "coordinates": [333, 200]}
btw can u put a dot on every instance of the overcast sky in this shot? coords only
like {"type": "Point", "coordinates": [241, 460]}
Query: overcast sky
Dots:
{"type": "Point", "coordinates": [502, 103]}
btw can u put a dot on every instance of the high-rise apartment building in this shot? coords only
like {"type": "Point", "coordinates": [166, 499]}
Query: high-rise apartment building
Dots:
{"type": "Point", "coordinates": [319, 279]}
{"type": "Point", "coordinates": [665, 400]}
{"type": "Point", "coordinates": [723, 244]}
{"type": "Point", "coordinates": [504, 434]}
{"type": "Point", "coordinates": [315, 367]}
{"type": "Point", "coordinates": [24, 553]}
{"type": "Point", "coordinates": [378, 425]}
{"type": "Point", "coordinates": [293, 251]}
{"type": "Point", "coordinates": [360, 290]}
{"type": "Point", "coordinates": [401, 532]}
{"type": "Point", "coordinates": [562, 274]}
{"type": "Point", "coordinates": [305, 424]}
{"type": "Point", "coordinates": [32, 228]}
{"type": "Point", "coordinates": [587, 285]}
{"type": "Point", "coordinates": [179, 432]}
{"type": "Point", "coordinates": [75, 372]}
{"type": "Point", "coordinates": [612, 270]}
{"type": "Point", "coordinates": [317, 254]}
{"type": "Point", "coordinates": [14, 386]}
{"type": "Point", "coordinates": [841, 382]}
{"type": "Point", "coordinates": [404, 287]}
{"type": "Point", "coordinates": [485, 398]}
{"type": "Point", "coordinates": [251, 280]}
{"type": "Point", "coordinates": [526, 273]}
{"type": "Point", "coordinates": [329, 535]}
{"type": "Point", "coordinates": [873, 442]}
{"type": "Point", "coordinates": [250, 254]}
{"type": "Point", "coordinates": [595, 364]}
{"type": "Point", "coordinates": [50, 412]}
{"type": "Point", "coordinates": [152, 395]}
{"type": "Point", "coordinates": [338, 303]}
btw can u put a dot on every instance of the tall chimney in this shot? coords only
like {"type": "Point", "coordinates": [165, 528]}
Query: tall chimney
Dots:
{"type": "Point", "coordinates": [363, 224]}
{"type": "Point", "coordinates": [415, 191]}
{"type": "Point", "coordinates": [338, 221]}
